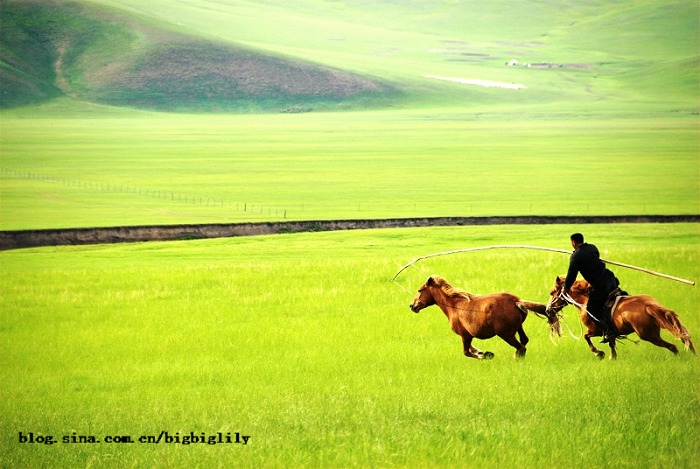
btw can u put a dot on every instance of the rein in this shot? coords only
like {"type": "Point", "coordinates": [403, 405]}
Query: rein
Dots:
{"type": "Point", "coordinates": [566, 297]}
{"type": "Point", "coordinates": [569, 301]}
{"type": "Point", "coordinates": [568, 328]}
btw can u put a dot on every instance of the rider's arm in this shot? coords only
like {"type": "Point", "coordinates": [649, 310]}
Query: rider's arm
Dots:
{"type": "Point", "coordinates": [572, 273]}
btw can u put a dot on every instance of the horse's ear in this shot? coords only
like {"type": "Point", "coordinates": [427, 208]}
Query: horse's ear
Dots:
{"type": "Point", "coordinates": [431, 281]}
{"type": "Point", "coordinates": [559, 281]}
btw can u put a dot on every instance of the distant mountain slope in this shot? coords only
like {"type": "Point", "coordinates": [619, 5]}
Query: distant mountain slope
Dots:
{"type": "Point", "coordinates": [108, 56]}
{"type": "Point", "coordinates": [275, 55]}
{"type": "Point", "coordinates": [591, 56]}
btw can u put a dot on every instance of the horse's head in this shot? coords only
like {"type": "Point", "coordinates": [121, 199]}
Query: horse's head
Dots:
{"type": "Point", "coordinates": [424, 298]}
{"type": "Point", "coordinates": [557, 298]}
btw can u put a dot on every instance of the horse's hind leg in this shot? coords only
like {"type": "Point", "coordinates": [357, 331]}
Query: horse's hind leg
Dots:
{"type": "Point", "coordinates": [659, 342]}
{"type": "Point", "coordinates": [524, 339]}
{"type": "Point", "coordinates": [653, 335]}
{"type": "Point", "coordinates": [513, 342]}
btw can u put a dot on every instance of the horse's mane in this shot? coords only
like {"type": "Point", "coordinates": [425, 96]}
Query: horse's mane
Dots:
{"type": "Point", "coordinates": [449, 290]}
{"type": "Point", "coordinates": [581, 286]}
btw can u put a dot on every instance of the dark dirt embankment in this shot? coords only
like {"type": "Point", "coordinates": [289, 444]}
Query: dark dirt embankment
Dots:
{"type": "Point", "coordinates": [130, 234]}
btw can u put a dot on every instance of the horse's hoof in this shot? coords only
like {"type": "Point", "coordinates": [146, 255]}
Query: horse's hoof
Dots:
{"type": "Point", "coordinates": [488, 356]}
{"type": "Point", "coordinates": [600, 355]}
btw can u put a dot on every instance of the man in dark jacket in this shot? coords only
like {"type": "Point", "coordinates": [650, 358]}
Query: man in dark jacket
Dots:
{"type": "Point", "coordinates": [586, 260]}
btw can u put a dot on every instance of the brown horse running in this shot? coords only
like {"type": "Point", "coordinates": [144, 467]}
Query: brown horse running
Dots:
{"type": "Point", "coordinates": [641, 314]}
{"type": "Point", "coordinates": [478, 316]}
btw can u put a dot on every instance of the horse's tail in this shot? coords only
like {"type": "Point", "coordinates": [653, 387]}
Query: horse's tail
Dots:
{"type": "Point", "coordinates": [541, 311]}
{"type": "Point", "coordinates": [670, 321]}
{"type": "Point", "coordinates": [538, 308]}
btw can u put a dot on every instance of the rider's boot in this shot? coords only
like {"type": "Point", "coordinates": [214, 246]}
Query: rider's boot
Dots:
{"type": "Point", "coordinates": [610, 333]}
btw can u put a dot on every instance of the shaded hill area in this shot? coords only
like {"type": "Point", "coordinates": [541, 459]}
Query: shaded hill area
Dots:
{"type": "Point", "coordinates": [101, 55]}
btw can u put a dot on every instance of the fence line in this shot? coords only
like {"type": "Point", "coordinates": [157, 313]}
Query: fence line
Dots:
{"type": "Point", "coordinates": [367, 208]}
{"type": "Point", "coordinates": [170, 195]}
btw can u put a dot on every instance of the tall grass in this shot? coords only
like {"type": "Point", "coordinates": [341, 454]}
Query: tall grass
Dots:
{"type": "Point", "coordinates": [301, 342]}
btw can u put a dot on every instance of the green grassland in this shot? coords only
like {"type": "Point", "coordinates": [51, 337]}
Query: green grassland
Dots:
{"type": "Point", "coordinates": [179, 169]}
{"type": "Point", "coordinates": [611, 128]}
{"type": "Point", "coordinates": [303, 343]}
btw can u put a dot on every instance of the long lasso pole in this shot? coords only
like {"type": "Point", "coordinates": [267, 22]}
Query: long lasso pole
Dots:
{"type": "Point", "coordinates": [540, 248]}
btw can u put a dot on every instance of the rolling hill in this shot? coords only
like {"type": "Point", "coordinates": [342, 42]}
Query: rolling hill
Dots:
{"type": "Point", "coordinates": [103, 55]}
{"type": "Point", "coordinates": [273, 55]}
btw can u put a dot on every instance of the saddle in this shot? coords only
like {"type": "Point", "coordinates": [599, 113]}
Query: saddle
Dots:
{"type": "Point", "coordinates": [614, 298]}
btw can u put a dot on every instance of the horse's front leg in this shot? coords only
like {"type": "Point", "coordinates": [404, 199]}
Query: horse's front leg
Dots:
{"type": "Point", "coordinates": [613, 349]}
{"type": "Point", "coordinates": [480, 354]}
{"type": "Point", "coordinates": [471, 351]}
{"type": "Point", "coordinates": [598, 353]}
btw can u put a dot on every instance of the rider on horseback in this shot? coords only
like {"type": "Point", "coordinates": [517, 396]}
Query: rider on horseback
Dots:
{"type": "Point", "coordinates": [586, 259]}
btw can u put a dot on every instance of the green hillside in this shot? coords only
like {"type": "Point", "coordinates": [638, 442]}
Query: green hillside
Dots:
{"type": "Point", "coordinates": [313, 54]}
{"type": "Point", "coordinates": [105, 56]}
{"type": "Point", "coordinates": [605, 56]}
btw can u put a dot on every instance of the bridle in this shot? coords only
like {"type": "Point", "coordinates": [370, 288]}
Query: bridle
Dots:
{"type": "Point", "coordinates": [562, 297]}
{"type": "Point", "coordinates": [553, 312]}
{"type": "Point", "coordinates": [566, 300]}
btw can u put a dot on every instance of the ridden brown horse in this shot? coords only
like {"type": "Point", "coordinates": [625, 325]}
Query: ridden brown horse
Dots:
{"type": "Point", "coordinates": [478, 316]}
{"type": "Point", "coordinates": [641, 314]}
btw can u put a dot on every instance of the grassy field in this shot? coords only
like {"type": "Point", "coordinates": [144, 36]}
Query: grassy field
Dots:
{"type": "Point", "coordinates": [142, 169]}
{"type": "Point", "coordinates": [610, 128]}
{"type": "Point", "coordinates": [302, 343]}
